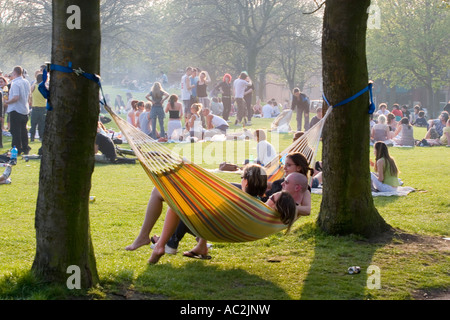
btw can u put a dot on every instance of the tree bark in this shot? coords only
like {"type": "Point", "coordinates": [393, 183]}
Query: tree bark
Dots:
{"type": "Point", "coordinates": [62, 211]}
{"type": "Point", "coordinates": [347, 206]}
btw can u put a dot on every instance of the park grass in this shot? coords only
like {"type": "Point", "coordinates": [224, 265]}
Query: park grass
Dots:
{"type": "Point", "coordinates": [303, 264]}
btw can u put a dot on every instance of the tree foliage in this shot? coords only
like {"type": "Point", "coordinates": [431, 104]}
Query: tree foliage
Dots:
{"type": "Point", "coordinates": [411, 47]}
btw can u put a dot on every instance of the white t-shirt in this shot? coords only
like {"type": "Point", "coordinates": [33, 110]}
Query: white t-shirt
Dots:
{"type": "Point", "coordinates": [185, 92]}
{"type": "Point", "coordinates": [267, 111]}
{"type": "Point", "coordinates": [19, 87]}
{"type": "Point", "coordinates": [266, 152]}
{"type": "Point", "coordinates": [218, 121]}
{"type": "Point", "coordinates": [239, 88]}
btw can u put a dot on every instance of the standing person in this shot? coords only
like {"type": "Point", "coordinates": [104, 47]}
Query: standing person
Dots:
{"type": "Point", "coordinates": [18, 110]}
{"type": "Point", "coordinates": [175, 110]}
{"type": "Point", "coordinates": [386, 177]}
{"type": "Point", "coordinates": [300, 103]}
{"type": "Point", "coordinates": [157, 96]}
{"type": "Point", "coordinates": [118, 103]}
{"type": "Point", "coordinates": [193, 85]}
{"type": "Point", "coordinates": [248, 96]}
{"type": "Point", "coordinates": [129, 100]}
{"type": "Point", "coordinates": [225, 88]}
{"type": "Point", "coordinates": [202, 86]}
{"type": "Point", "coordinates": [186, 93]}
{"type": "Point", "coordinates": [164, 80]}
{"type": "Point", "coordinates": [3, 84]}
{"type": "Point", "coordinates": [38, 110]}
{"type": "Point", "coordinates": [239, 86]}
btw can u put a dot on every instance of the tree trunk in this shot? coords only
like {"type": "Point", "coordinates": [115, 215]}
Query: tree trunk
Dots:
{"type": "Point", "coordinates": [62, 211]}
{"type": "Point", "coordinates": [347, 206]}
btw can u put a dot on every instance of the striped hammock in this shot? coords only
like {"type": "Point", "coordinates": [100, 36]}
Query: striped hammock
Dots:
{"type": "Point", "coordinates": [211, 207]}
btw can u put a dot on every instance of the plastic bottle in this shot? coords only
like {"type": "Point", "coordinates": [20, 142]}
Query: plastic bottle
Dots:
{"type": "Point", "coordinates": [14, 153]}
{"type": "Point", "coordinates": [250, 159]}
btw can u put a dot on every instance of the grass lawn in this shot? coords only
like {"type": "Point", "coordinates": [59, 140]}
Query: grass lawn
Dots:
{"type": "Point", "coordinates": [304, 264]}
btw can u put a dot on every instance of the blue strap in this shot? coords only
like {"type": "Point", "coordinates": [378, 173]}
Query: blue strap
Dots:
{"type": "Point", "coordinates": [44, 91]}
{"type": "Point", "coordinates": [79, 72]}
{"type": "Point", "coordinates": [368, 88]}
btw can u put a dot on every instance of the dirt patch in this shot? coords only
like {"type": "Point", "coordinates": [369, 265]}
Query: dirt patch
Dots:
{"type": "Point", "coordinates": [443, 294]}
{"type": "Point", "coordinates": [411, 241]}
{"type": "Point", "coordinates": [134, 295]}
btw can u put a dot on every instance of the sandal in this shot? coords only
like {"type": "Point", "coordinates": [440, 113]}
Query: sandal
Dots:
{"type": "Point", "coordinates": [192, 254]}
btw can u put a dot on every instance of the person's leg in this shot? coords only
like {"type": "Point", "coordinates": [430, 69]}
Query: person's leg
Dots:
{"type": "Point", "coordinates": [380, 186]}
{"type": "Point", "coordinates": [200, 250]}
{"type": "Point", "coordinates": [41, 123]}
{"type": "Point", "coordinates": [226, 108]}
{"type": "Point", "coordinates": [153, 134]}
{"type": "Point", "coordinates": [154, 208]}
{"type": "Point", "coordinates": [1, 132]}
{"type": "Point", "coordinates": [179, 233]}
{"type": "Point", "coordinates": [161, 124]}
{"type": "Point", "coordinates": [14, 128]}
{"type": "Point", "coordinates": [33, 122]}
{"type": "Point", "coordinates": [170, 224]}
{"type": "Point", "coordinates": [306, 119]}
{"type": "Point", "coordinates": [24, 133]}
{"type": "Point", "coordinates": [299, 119]}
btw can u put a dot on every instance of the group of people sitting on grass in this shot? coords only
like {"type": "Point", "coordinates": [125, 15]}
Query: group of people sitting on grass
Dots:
{"type": "Point", "coordinates": [396, 128]}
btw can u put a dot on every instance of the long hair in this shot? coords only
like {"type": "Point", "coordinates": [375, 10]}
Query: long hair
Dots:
{"type": "Point", "coordinates": [260, 135]}
{"type": "Point", "coordinates": [256, 180]}
{"type": "Point", "coordinates": [383, 152]}
{"type": "Point", "coordinates": [287, 209]}
{"type": "Point", "coordinates": [300, 160]}
{"type": "Point", "coordinates": [157, 90]}
{"type": "Point", "coordinates": [172, 99]}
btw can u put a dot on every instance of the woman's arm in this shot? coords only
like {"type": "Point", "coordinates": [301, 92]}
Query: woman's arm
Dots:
{"type": "Point", "coordinates": [380, 169]}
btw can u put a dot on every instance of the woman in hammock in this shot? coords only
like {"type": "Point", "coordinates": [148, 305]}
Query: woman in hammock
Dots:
{"type": "Point", "coordinates": [294, 162]}
{"type": "Point", "coordinates": [254, 184]}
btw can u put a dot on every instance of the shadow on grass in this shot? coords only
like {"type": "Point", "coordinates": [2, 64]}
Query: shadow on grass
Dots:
{"type": "Point", "coordinates": [328, 277]}
{"type": "Point", "coordinates": [200, 280]}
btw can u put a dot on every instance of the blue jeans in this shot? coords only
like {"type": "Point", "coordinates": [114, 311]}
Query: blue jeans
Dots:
{"type": "Point", "coordinates": [157, 113]}
{"type": "Point", "coordinates": [300, 112]}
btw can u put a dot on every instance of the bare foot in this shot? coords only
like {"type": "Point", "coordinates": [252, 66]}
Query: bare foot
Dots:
{"type": "Point", "coordinates": [137, 244]}
{"type": "Point", "coordinates": [156, 255]}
